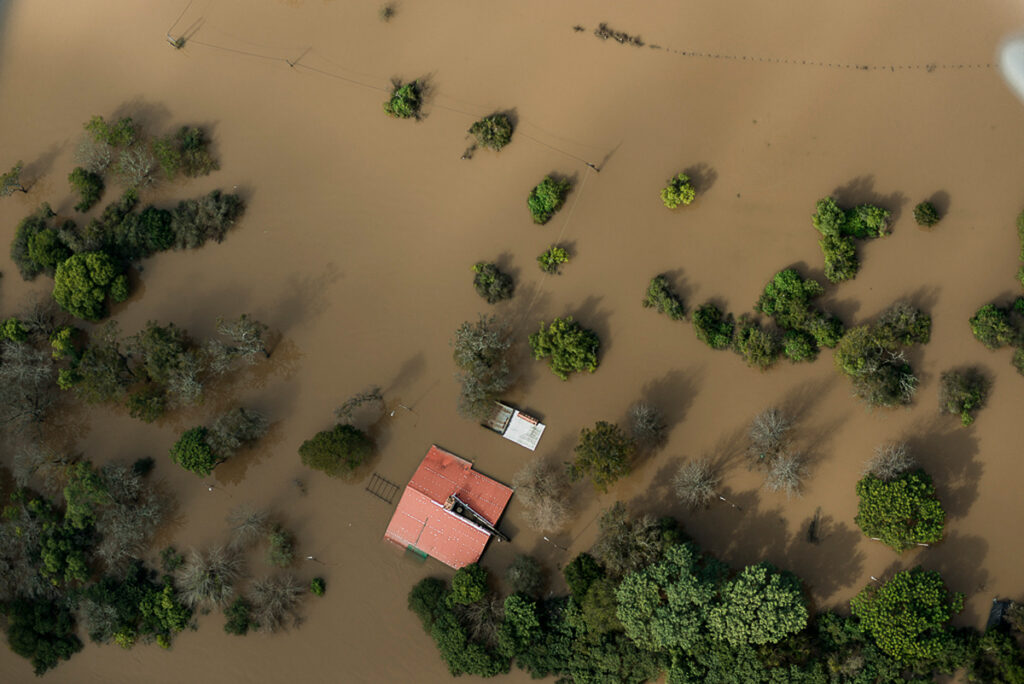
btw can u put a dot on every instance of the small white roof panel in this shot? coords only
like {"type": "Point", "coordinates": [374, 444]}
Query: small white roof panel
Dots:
{"type": "Point", "coordinates": [524, 430]}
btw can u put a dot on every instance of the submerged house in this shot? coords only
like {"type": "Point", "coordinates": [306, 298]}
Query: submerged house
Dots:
{"type": "Point", "coordinates": [448, 510]}
{"type": "Point", "coordinates": [515, 425]}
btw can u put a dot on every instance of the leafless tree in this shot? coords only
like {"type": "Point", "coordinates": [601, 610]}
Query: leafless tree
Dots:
{"type": "Point", "coordinates": [890, 461]}
{"type": "Point", "coordinates": [127, 524]}
{"type": "Point", "coordinates": [28, 385]}
{"type": "Point", "coordinates": [208, 579]}
{"type": "Point", "coordinates": [235, 429]}
{"type": "Point", "coordinates": [542, 488]}
{"type": "Point", "coordinates": [483, 618]}
{"type": "Point", "coordinates": [785, 474]}
{"type": "Point", "coordinates": [249, 525]}
{"type": "Point", "coordinates": [94, 155]}
{"type": "Point", "coordinates": [275, 600]}
{"type": "Point", "coordinates": [647, 425]}
{"type": "Point", "coordinates": [626, 545]}
{"type": "Point", "coordinates": [35, 463]}
{"type": "Point", "coordinates": [135, 166]}
{"type": "Point", "coordinates": [768, 435]}
{"type": "Point", "coordinates": [696, 484]}
{"type": "Point", "coordinates": [248, 337]}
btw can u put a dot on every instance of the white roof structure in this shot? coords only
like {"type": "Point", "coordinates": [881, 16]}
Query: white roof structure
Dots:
{"type": "Point", "coordinates": [524, 430]}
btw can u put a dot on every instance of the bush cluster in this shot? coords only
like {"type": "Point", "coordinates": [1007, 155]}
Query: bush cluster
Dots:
{"type": "Point", "coordinates": [900, 511]}
{"type": "Point", "coordinates": [787, 299]}
{"type": "Point", "coordinates": [493, 132]}
{"type": "Point", "coordinates": [338, 451]}
{"type": "Point", "coordinates": [405, 101]}
{"type": "Point", "coordinates": [678, 191]}
{"type": "Point", "coordinates": [926, 215]}
{"type": "Point", "coordinates": [839, 228]}
{"type": "Point", "coordinates": [491, 283]}
{"type": "Point", "coordinates": [662, 298]}
{"type": "Point", "coordinates": [547, 198]}
{"type": "Point", "coordinates": [963, 393]}
{"type": "Point", "coordinates": [552, 259]}
{"type": "Point", "coordinates": [570, 347]}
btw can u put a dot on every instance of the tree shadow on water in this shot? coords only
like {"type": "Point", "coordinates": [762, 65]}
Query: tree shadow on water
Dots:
{"type": "Point", "coordinates": [673, 393]}
{"type": "Point", "coordinates": [861, 190]}
{"type": "Point", "coordinates": [947, 453]}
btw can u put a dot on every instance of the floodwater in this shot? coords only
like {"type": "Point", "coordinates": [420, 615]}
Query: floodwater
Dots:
{"type": "Point", "coordinates": [361, 230]}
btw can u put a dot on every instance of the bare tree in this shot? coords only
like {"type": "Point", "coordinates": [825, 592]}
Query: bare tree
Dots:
{"type": "Point", "coordinates": [483, 618]}
{"type": "Point", "coordinates": [369, 402]}
{"type": "Point", "coordinates": [625, 545]}
{"type": "Point", "coordinates": [234, 429]}
{"type": "Point", "coordinates": [647, 425]}
{"type": "Point", "coordinates": [275, 600]}
{"type": "Point", "coordinates": [10, 182]}
{"type": "Point", "coordinates": [28, 385]}
{"type": "Point", "coordinates": [37, 463]}
{"type": "Point", "coordinates": [208, 579]}
{"type": "Point", "coordinates": [94, 155]}
{"type": "Point", "coordinates": [890, 461]}
{"type": "Point", "coordinates": [696, 484]}
{"type": "Point", "coordinates": [136, 165]}
{"type": "Point", "coordinates": [126, 525]}
{"type": "Point", "coordinates": [542, 488]}
{"type": "Point", "coordinates": [185, 380]}
{"type": "Point", "coordinates": [249, 525]}
{"type": "Point", "coordinates": [768, 435]}
{"type": "Point", "coordinates": [248, 337]}
{"type": "Point", "coordinates": [785, 474]}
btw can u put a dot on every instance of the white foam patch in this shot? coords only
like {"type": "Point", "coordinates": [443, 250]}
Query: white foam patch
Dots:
{"type": "Point", "coordinates": [1011, 62]}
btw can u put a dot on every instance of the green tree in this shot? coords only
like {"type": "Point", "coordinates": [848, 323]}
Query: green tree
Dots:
{"type": "Point", "coordinates": [317, 586]}
{"type": "Point", "coordinates": [760, 348]}
{"type": "Point", "coordinates": [713, 328]}
{"type": "Point", "coordinates": [192, 452]}
{"type": "Point", "coordinates": [23, 244]}
{"type": "Point", "coordinates": [234, 430]}
{"type": "Point", "coordinates": [626, 544]}
{"type": "Point", "coordinates": [840, 258]}
{"type": "Point", "coordinates": [552, 259]}
{"type": "Point", "coordinates": [10, 182]}
{"type": "Point", "coordinates": [520, 627]}
{"type": "Point", "coordinates": [239, 617]}
{"type": "Point", "coordinates": [902, 511]}
{"type": "Point", "coordinates": [759, 606]}
{"type": "Point", "coordinates": [338, 451]}
{"type": "Point", "coordinates": [469, 584]}
{"type": "Point", "coordinates": [547, 198]}
{"type": "Point", "coordinates": [992, 327]}
{"type": "Point", "coordinates": [602, 454]}
{"type": "Point", "coordinates": [571, 347]}
{"type": "Point", "coordinates": [600, 607]}
{"type": "Point", "coordinates": [661, 297]}
{"type": "Point", "coordinates": [524, 576]}
{"type": "Point", "coordinates": [493, 131]}
{"type": "Point", "coordinates": [481, 355]}
{"type": "Point", "coordinates": [195, 221]}
{"type": "Point", "coordinates": [122, 133]}
{"type": "Point", "coordinates": [908, 616]}
{"type": "Point", "coordinates": [281, 548]}
{"type": "Point", "coordinates": [83, 284]}
{"type": "Point", "coordinates": [41, 631]}
{"type": "Point", "coordinates": [89, 187]}
{"type": "Point", "coordinates": [84, 492]}
{"type": "Point", "coordinates": [678, 191]}
{"type": "Point", "coordinates": [926, 215]}
{"type": "Point", "coordinates": [581, 573]}
{"type": "Point", "coordinates": [491, 283]}
{"type": "Point", "coordinates": [13, 330]}
{"type": "Point", "coordinates": [963, 392]}
{"type": "Point", "coordinates": [405, 101]}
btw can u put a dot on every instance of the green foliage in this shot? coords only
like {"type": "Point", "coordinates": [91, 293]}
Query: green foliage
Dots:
{"type": "Point", "coordinates": [602, 454]}
{"type": "Point", "coordinates": [317, 586]}
{"type": "Point", "coordinates": [661, 297]}
{"type": "Point", "coordinates": [196, 159]}
{"type": "Point", "coordinates": [799, 346]}
{"type": "Point", "coordinates": [866, 221]}
{"type": "Point", "coordinates": [469, 584]}
{"type": "Point", "coordinates": [520, 626]}
{"type": "Point", "coordinates": [908, 616]}
{"type": "Point", "coordinates": [192, 452]}
{"type": "Point", "coordinates": [239, 618]}
{"type": "Point", "coordinates": [871, 355]}
{"type": "Point", "coordinates": [193, 222]}
{"type": "Point", "coordinates": [547, 198]}
{"type": "Point", "coordinates": [83, 284]}
{"type": "Point", "coordinates": [42, 632]}
{"type": "Point", "coordinates": [493, 131]}
{"type": "Point", "coordinates": [760, 348]}
{"type": "Point", "coordinates": [84, 491]}
{"type": "Point", "coordinates": [581, 573]}
{"type": "Point", "coordinates": [600, 607]}
{"type": "Point", "coordinates": [571, 347]}
{"type": "Point", "coordinates": [626, 544]}
{"type": "Point", "coordinates": [787, 299]}
{"type": "Point", "coordinates": [281, 548]}
{"type": "Point", "coordinates": [170, 559]}
{"type": "Point", "coordinates": [34, 254]}
{"type": "Point", "coordinates": [491, 284]}
{"type": "Point", "coordinates": [925, 214]}
{"type": "Point", "coordinates": [480, 354]}
{"type": "Point", "coordinates": [523, 576]}
{"type": "Point", "coordinates": [551, 259]}
{"type": "Point", "coordinates": [840, 258]}
{"type": "Point", "coordinates": [902, 511]}
{"type": "Point", "coordinates": [992, 327]}
{"type": "Point", "coordinates": [678, 191]}
{"type": "Point", "coordinates": [713, 328]}
{"type": "Point", "coordinates": [406, 100]}
{"type": "Point", "coordinates": [426, 598]}
{"type": "Point", "coordinates": [963, 392]}
{"type": "Point", "coordinates": [10, 182]}
{"type": "Point", "coordinates": [759, 606]}
{"type": "Point", "coordinates": [338, 451]}
{"type": "Point", "coordinates": [89, 187]}
{"type": "Point", "coordinates": [121, 133]}
{"type": "Point", "coordinates": [13, 330]}
{"type": "Point", "coordinates": [839, 228]}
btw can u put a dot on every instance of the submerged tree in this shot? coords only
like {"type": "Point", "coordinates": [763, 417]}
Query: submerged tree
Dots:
{"type": "Point", "coordinates": [890, 461]}
{"type": "Point", "coordinates": [542, 488]}
{"type": "Point", "coordinates": [786, 473]}
{"type": "Point", "coordinates": [696, 484]}
{"type": "Point", "coordinates": [248, 526]}
{"type": "Point", "coordinates": [626, 545]}
{"type": "Point", "coordinates": [768, 435]}
{"type": "Point", "coordinates": [603, 454]}
{"type": "Point", "coordinates": [481, 355]}
{"type": "Point", "coordinates": [647, 426]}
{"type": "Point", "coordinates": [569, 347]}
{"type": "Point", "coordinates": [338, 451]}
{"type": "Point", "coordinates": [963, 393]}
{"type": "Point", "coordinates": [275, 601]}
{"type": "Point", "coordinates": [207, 579]}
{"type": "Point", "coordinates": [10, 182]}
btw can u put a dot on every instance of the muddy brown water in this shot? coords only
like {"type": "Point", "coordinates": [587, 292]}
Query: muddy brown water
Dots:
{"type": "Point", "coordinates": [360, 232]}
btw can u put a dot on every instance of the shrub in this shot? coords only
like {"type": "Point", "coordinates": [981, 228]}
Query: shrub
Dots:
{"type": "Point", "coordinates": [546, 198]}
{"type": "Point", "coordinates": [838, 229]}
{"type": "Point", "coordinates": [121, 133]}
{"type": "Point", "coordinates": [469, 584]}
{"type": "Point", "coordinates": [866, 221]}
{"type": "Point", "coordinates": [603, 454]}
{"type": "Point", "coordinates": [24, 237]}
{"type": "Point", "coordinates": [386, 12]}
{"type": "Point", "coordinates": [192, 452]}
{"type": "Point", "coordinates": [661, 297]}
{"type": "Point", "coordinates": [554, 257]}
{"type": "Point", "coordinates": [992, 327]}
{"type": "Point", "coordinates": [239, 617]}
{"type": "Point", "coordinates": [713, 328]}
{"type": "Point", "coordinates": [83, 284]}
{"type": "Point", "coordinates": [493, 131]}
{"type": "Point", "coordinates": [89, 187]}
{"type": "Point", "coordinates": [760, 348]}
{"type": "Point", "coordinates": [571, 347]}
{"type": "Point", "coordinates": [13, 330]}
{"type": "Point", "coordinates": [10, 182]}
{"type": "Point", "coordinates": [678, 191]}
{"type": "Point", "coordinates": [170, 559]}
{"type": "Point", "coordinates": [491, 284]}
{"type": "Point", "coordinates": [406, 100]}
{"type": "Point", "coordinates": [963, 392]}
{"type": "Point", "coordinates": [193, 147]}
{"type": "Point", "coordinates": [900, 512]}
{"type": "Point", "coordinates": [1018, 360]}
{"type": "Point", "coordinates": [524, 576]}
{"type": "Point", "coordinates": [926, 215]}
{"type": "Point", "coordinates": [281, 550]}
{"type": "Point", "coordinates": [317, 586]}
{"type": "Point", "coordinates": [338, 451]}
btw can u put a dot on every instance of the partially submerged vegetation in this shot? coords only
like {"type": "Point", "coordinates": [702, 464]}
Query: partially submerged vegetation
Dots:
{"type": "Point", "coordinates": [547, 198]}
{"type": "Point", "coordinates": [406, 100]}
{"type": "Point", "coordinates": [839, 228]}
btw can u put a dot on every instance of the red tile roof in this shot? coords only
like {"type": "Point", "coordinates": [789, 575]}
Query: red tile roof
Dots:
{"type": "Point", "coordinates": [421, 521]}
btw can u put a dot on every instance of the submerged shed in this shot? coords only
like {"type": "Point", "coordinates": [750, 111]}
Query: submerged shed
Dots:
{"type": "Point", "coordinates": [423, 524]}
{"type": "Point", "coordinates": [514, 425]}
